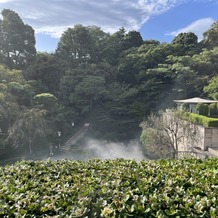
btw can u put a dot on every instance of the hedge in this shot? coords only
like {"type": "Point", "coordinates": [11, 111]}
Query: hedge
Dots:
{"type": "Point", "coordinates": [199, 119]}
{"type": "Point", "coordinates": [110, 188]}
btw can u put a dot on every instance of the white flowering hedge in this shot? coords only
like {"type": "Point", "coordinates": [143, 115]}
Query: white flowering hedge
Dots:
{"type": "Point", "coordinates": [110, 188]}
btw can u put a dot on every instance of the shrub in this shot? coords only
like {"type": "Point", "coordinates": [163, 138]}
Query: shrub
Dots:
{"type": "Point", "coordinates": [213, 109]}
{"type": "Point", "coordinates": [199, 119]}
{"type": "Point", "coordinates": [203, 109]}
{"type": "Point", "coordinates": [110, 188]}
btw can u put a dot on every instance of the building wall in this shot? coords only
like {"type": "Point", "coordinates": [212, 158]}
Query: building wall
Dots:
{"type": "Point", "coordinates": [191, 135]}
{"type": "Point", "coordinates": [202, 137]}
{"type": "Point", "coordinates": [198, 139]}
{"type": "Point", "coordinates": [214, 140]}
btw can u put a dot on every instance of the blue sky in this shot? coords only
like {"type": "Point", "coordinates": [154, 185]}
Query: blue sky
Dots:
{"type": "Point", "coordinates": [155, 19]}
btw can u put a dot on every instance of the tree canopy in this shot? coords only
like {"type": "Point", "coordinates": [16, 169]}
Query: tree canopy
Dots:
{"type": "Point", "coordinates": [113, 81]}
{"type": "Point", "coordinates": [17, 41]}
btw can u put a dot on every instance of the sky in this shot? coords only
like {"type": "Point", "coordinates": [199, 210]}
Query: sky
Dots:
{"type": "Point", "coordinates": [161, 20]}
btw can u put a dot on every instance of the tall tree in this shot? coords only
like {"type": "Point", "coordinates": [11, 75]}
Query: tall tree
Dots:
{"type": "Point", "coordinates": [80, 44]}
{"type": "Point", "coordinates": [113, 46]}
{"type": "Point", "coordinates": [17, 41]}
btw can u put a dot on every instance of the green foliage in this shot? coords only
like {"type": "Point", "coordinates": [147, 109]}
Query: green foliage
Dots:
{"type": "Point", "coordinates": [132, 39]}
{"type": "Point", "coordinates": [186, 40]}
{"type": "Point", "coordinates": [162, 132]}
{"type": "Point", "coordinates": [22, 93]}
{"type": "Point", "coordinates": [28, 129]}
{"type": "Point", "coordinates": [212, 88]}
{"type": "Point", "coordinates": [200, 119]}
{"type": "Point", "coordinates": [83, 86]}
{"type": "Point", "coordinates": [7, 75]}
{"type": "Point", "coordinates": [119, 114]}
{"type": "Point", "coordinates": [17, 41]}
{"type": "Point", "coordinates": [47, 100]}
{"type": "Point", "coordinates": [109, 80]}
{"type": "Point", "coordinates": [203, 109]}
{"type": "Point", "coordinates": [213, 109]}
{"type": "Point", "coordinates": [210, 36]}
{"type": "Point", "coordinates": [205, 63]}
{"type": "Point", "coordinates": [154, 143]}
{"type": "Point", "coordinates": [81, 44]}
{"type": "Point", "coordinates": [47, 70]}
{"type": "Point", "coordinates": [186, 44]}
{"type": "Point", "coordinates": [110, 188]}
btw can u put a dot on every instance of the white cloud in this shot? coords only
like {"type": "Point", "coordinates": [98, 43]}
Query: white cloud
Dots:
{"type": "Point", "coordinates": [198, 27]}
{"type": "Point", "coordinates": [54, 16]}
{"type": "Point", "coordinates": [5, 1]}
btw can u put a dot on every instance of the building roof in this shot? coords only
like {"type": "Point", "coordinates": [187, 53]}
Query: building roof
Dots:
{"type": "Point", "coordinates": [196, 101]}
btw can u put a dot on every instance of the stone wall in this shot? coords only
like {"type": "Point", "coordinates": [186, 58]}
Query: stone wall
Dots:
{"type": "Point", "coordinates": [189, 135]}
{"type": "Point", "coordinates": [202, 137]}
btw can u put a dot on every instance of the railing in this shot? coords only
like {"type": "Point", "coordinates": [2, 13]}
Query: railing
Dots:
{"type": "Point", "coordinates": [67, 145]}
{"type": "Point", "coordinates": [189, 154]}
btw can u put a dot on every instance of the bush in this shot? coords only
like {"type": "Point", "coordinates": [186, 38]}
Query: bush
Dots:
{"type": "Point", "coordinates": [213, 109]}
{"type": "Point", "coordinates": [203, 109]}
{"type": "Point", "coordinates": [199, 119]}
{"type": "Point", "coordinates": [110, 188]}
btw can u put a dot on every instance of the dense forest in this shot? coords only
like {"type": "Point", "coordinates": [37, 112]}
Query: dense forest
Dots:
{"type": "Point", "coordinates": [112, 81]}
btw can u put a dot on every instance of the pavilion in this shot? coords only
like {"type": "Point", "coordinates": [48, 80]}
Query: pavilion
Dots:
{"type": "Point", "coordinates": [191, 103]}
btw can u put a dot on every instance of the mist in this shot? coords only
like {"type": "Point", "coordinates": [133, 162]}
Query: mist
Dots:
{"type": "Point", "coordinates": [111, 150]}
{"type": "Point", "coordinates": [93, 148]}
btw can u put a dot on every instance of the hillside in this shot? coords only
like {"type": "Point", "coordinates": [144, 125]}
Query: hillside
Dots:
{"type": "Point", "coordinates": [112, 81]}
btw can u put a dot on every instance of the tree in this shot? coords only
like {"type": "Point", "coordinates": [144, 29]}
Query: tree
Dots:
{"type": "Point", "coordinates": [114, 47]}
{"type": "Point", "coordinates": [211, 35]}
{"type": "Point", "coordinates": [132, 39]}
{"type": "Point", "coordinates": [47, 70]}
{"type": "Point", "coordinates": [7, 75]}
{"type": "Point", "coordinates": [163, 133]}
{"type": "Point", "coordinates": [205, 63]}
{"type": "Point", "coordinates": [88, 91]}
{"type": "Point", "coordinates": [98, 39]}
{"type": "Point", "coordinates": [27, 130]}
{"type": "Point", "coordinates": [117, 116]}
{"type": "Point", "coordinates": [116, 44]}
{"type": "Point", "coordinates": [46, 100]}
{"type": "Point", "coordinates": [186, 40]}
{"type": "Point", "coordinates": [184, 79]}
{"type": "Point", "coordinates": [22, 93]}
{"type": "Point", "coordinates": [9, 110]}
{"type": "Point", "coordinates": [153, 138]}
{"type": "Point", "coordinates": [90, 77]}
{"type": "Point", "coordinates": [186, 43]}
{"type": "Point", "coordinates": [16, 85]}
{"type": "Point", "coordinates": [17, 41]}
{"type": "Point", "coordinates": [137, 60]}
{"type": "Point", "coordinates": [81, 45]}
{"type": "Point", "coordinates": [212, 88]}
